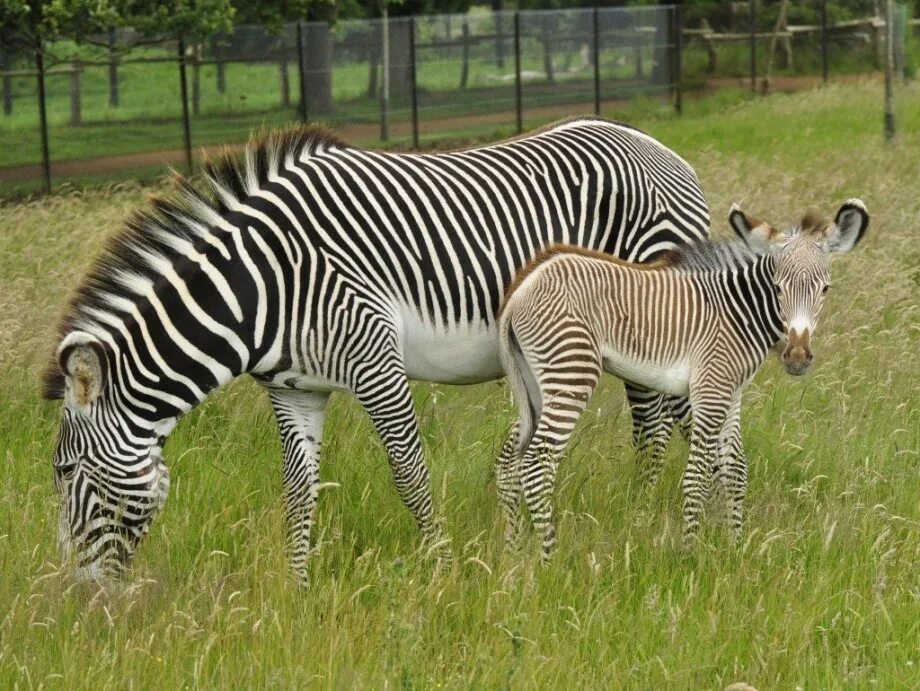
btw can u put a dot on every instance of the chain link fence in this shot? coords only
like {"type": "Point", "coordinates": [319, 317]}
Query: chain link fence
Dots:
{"type": "Point", "coordinates": [121, 105]}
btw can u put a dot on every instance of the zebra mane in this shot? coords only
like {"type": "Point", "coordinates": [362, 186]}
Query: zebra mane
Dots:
{"type": "Point", "coordinates": [711, 255]}
{"type": "Point", "coordinates": [163, 234]}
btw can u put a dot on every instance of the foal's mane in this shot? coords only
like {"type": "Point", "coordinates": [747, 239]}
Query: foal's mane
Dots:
{"type": "Point", "coordinates": [176, 221]}
{"type": "Point", "coordinates": [706, 255]}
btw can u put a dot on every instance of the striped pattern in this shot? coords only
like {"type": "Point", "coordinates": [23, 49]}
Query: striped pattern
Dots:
{"type": "Point", "coordinates": [319, 267]}
{"type": "Point", "coordinates": [698, 323]}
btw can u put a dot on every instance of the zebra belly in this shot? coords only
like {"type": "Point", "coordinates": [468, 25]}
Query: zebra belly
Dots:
{"type": "Point", "coordinates": [466, 354]}
{"type": "Point", "coordinates": [670, 378]}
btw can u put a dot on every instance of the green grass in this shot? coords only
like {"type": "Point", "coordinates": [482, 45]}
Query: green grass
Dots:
{"type": "Point", "coordinates": [823, 593]}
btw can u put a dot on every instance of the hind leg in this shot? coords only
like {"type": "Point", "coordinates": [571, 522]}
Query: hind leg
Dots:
{"type": "Point", "coordinates": [651, 428]}
{"type": "Point", "coordinates": [566, 384]}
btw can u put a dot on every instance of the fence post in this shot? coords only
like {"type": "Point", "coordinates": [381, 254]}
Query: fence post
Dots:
{"type": "Point", "coordinates": [7, 83]}
{"type": "Point", "coordinates": [76, 110]}
{"type": "Point", "coordinates": [824, 65]}
{"type": "Point", "coordinates": [597, 62]}
{"type": "Point", "coordinates": [113, 69]}
{"type": "Point", "coordinates": [889, 71]}
{"type": "Point", "coordinates": [518, 106]}
{"type": "Point", "coordinates": [414, 84]}
{"type": "Point", "coordinates": [186, 124]}
{"type": "Point", "coordinates": [43, 116]}
{"type": "Point", "coordinates": [385, 63]}
{"type": "Point", "coordinates": [302, 73]}
{"type": "Point", "coordinates": [678, 60]}
{"type": "Point", "coordinates": [752, 20]}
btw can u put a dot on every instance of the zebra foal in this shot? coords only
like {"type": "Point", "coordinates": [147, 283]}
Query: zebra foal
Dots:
{"type": "Point", "coordinates": [697, 323]}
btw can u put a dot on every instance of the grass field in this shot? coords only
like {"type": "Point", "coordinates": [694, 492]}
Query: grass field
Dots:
{"type": "Point", "coordinates": [824, 592]}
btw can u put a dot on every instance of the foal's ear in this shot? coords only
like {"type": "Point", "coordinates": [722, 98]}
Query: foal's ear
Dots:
{"type": "Point", "coordinates": [850, 225]}
{"type": "Point", "coordinates": [81, 357]}
{"type": "Point", "coordinates": [757, 234]}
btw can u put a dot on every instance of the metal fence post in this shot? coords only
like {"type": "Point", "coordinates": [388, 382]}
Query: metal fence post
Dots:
{"type": "Point", "coordinates": [302, 71]}
{"type": "Point", "coordinates": [414, 83]}
{"type": "Point", "coordinates": [186, 124]}
{"type": "Point", "coordinates": [597, 63]}
{"type": "Point", "coordinates": [518, 106]}
{"type": "Point", "coordinates": [752, 20]}
{"type": "Point", "coordinates": [824, 65]}
{"type": "Point", "coordinates": [678, 60]}
{"type": "Point", "coordinates": [43, 116]}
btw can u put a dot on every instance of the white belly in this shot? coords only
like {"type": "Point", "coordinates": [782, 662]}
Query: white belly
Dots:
{"type": "Point", "coordinates": [670, 378]}
{"type": "Point", "coordinates": [463, 355]}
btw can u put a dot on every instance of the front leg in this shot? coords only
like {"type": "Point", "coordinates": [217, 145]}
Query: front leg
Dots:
{"type": "Point", "coordinates": [300, 416]}
{"type": "Point", "coordinates": [651, 429]}
{"type": "Point", "coordinates": [710, 409]}
{"type": "Point", "coordinates": [732, 469]}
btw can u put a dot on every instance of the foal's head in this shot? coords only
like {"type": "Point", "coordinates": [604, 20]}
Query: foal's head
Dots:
{"type": "Point", "coordinates": [802, 277]}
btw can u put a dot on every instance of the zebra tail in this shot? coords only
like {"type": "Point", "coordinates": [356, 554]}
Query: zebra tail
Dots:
{"type": "Point", "coordinates": [518, 372]}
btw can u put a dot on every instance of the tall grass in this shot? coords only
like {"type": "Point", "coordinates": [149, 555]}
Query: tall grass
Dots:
{"type": "Point", "coordinates": [824, 590]}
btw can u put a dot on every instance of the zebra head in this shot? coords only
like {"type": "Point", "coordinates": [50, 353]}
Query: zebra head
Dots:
{"type": "Point", "coordinates": [108, 469]}
{"type": "Point", "coordinates": [801, 275]}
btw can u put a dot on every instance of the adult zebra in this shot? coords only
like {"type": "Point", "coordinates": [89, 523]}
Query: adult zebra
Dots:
{"type": "Point", "coordinates": [322, 267]}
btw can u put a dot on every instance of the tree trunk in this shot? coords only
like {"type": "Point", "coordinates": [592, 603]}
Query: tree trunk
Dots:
{"type": "Point", "coordinates": [320, 45]}
{"type": "Point", "coordinates": [712, 63]}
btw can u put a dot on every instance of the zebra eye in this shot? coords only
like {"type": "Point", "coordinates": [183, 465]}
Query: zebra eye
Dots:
{"type": "Point", "coordinates": [65, 471]}
{"type": "Point", "coordinates": [825, 289]}
{"type": "Point", "coordinates": [777, 290]}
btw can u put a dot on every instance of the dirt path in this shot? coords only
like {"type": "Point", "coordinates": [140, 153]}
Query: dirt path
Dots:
{"type": "Point", "coordinates": [362, 132]}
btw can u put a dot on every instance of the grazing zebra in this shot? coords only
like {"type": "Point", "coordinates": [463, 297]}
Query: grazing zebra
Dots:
{"type": "Point", "coordinates": [698, 322]}
{"type": "Point", "coordinates": [320, 267]}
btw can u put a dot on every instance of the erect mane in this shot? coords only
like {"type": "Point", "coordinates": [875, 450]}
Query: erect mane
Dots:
{"type": "Point", "coordinates": [175, 223]}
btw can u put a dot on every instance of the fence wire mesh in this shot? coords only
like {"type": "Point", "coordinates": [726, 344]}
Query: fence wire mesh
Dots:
{"type": "Point", "coordinates": [115, 107]}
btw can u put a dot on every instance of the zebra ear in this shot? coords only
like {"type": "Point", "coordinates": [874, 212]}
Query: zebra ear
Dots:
{"type": "Point", "coordinates": [81, 357]}
{"type": "Point", "coordinates": [850, 225]}
{"type": "Point", "coordinates": [757, 234]}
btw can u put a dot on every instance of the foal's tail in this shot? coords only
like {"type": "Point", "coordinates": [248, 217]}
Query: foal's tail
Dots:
{"type": "Point", "coordinates": [522, 380]}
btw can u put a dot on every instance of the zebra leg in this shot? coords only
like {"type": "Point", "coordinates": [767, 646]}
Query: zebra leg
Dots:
{"type": "Point", "coordinates": [508, 482]}
{"type": "Point", "coordinates": [565, 396]}
{"type": "Point", "coordinates": [732, 471]}
{"type": "Point", "coordinates": [709, 413]}
{"type": "Point", "coordinates": [300, 416]}
{"type": "Point", "coordinates": [651, 429]}
{"type": "Point", "coordinates": [387, 398]}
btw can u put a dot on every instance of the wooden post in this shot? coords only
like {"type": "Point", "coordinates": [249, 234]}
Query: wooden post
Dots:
{"type": "Point", "coordinates": [186, 121]}
{"type": "Point", "coordinates": [518, 105]}
{"type": "Point", "coordinates": [7, 83]}
{"type": "Point", "coordinates": [752, 20]}
{"type": "Point", "coordinates": [465, 67]}
{"type": "Point", "coordinates": [824, 65]}
{"type": "Point", "coordinates": [76, 111]}
{"type": "Point", "coordinates": [43, 117]}
{"type": "Point", "coordinates": [414, 84]}
{"type": "Point", "coordinates": [113, 70]}
{"type": "Point", "coordinates": [889, 71]}
{"type": "Point", "coordinates": [597, 62]}
{"type": "Point", "coordinates": [196, 79]}
{"type": "Point", "coordinates": [302, 72]}
{"type": "Point", "coordinates": [678, 60]}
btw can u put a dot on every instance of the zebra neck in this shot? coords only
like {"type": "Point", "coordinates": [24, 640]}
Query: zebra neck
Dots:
{"type": "Point", "coordinates": [750, 300]}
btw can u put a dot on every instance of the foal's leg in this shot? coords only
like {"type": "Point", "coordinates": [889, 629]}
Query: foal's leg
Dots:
{"type": "Point", "coordinates": [300, 416]}
{"type": "Point", "coordinates": [711, 405]}
{"type": "Point", "coordinates": [566, 386]}
{"type": "Point", "coordinates": [508, 482]}
{"type": "Point", "coordinates": [651, 428]}
{"type": "Point", "coordinates": [731, 472]}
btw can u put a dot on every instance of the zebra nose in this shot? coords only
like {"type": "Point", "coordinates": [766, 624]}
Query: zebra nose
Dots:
{"type": "Point", "coordinates": [797, 359]}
